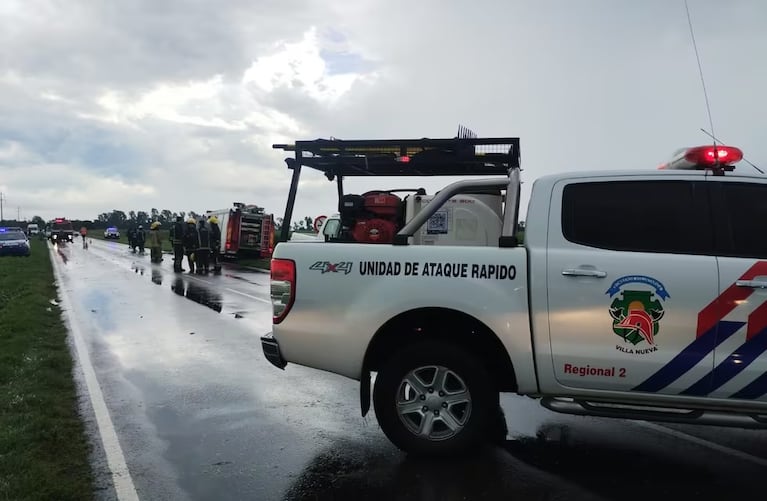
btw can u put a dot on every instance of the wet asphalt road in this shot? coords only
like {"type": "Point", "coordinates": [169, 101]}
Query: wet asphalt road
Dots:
{"type": "Point", "coordinates": [200, 414]}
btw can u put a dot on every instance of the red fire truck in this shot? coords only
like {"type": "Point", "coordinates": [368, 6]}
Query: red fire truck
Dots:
{"type": "Point", "coordinates": [245, 231]}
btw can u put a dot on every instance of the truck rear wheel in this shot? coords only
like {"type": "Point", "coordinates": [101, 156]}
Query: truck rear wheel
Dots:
{"type": "Point", "coordinates": [434, 398]}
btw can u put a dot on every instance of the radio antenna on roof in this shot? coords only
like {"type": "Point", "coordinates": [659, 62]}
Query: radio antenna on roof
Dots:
{"type": "Point", "coordinates": [700, 70]}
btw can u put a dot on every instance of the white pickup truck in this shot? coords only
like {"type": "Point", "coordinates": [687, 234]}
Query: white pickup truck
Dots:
{"type": "Point", "coordinates": [636, 294]}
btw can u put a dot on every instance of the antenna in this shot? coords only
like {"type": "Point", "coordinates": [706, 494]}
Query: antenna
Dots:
{"type": "Point", "coordinates": [700, 70]}
{"type": "Point", "coordinates": [723, 142]}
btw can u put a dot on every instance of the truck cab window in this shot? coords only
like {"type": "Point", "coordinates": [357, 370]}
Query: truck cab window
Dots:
{"type": "Point", "coordinates": [638, 216]}
{"type": "Point", "coordinates": [745, 207]}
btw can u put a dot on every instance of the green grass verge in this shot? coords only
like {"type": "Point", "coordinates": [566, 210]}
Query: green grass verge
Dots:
{"type": "Point", "coordinates": [43, 447]}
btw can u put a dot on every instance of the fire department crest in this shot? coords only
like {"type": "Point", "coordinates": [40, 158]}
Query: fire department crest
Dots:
{"type": "Point", "coordinates": [636, 312]}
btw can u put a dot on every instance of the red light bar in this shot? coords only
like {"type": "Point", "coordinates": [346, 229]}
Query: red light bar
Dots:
{"type": "Point", "coordinates": [404, 159]}
{"type": "Point", "coordinates": [704, 157]}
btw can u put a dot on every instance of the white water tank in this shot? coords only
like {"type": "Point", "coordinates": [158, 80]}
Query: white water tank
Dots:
{"type": "Point", "coordinates": [475, 220]}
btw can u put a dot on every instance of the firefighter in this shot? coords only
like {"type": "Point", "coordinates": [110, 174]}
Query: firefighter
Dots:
{"type": "Point", "coordinates": [203, 251]}
{"type": "Point", "coordinates": [132, 239]}
{"type": "Point", "coordinates": [140, 239]}
{"type": "Point", "coordinates": [177, 240]}
{"type": "Point", "coordinates": [155, 243]}
{"type": "Point", "coordinates": [191, 242]}
{"type": "Point", "coordinates": [215, 243]}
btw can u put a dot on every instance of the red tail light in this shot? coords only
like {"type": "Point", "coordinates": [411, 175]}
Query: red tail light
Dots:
{"type": "Point", "coordinates": [283, 288]}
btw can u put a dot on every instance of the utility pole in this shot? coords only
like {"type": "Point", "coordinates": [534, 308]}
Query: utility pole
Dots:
{"type": "Point", "coordinates": [18, 213]}
{"type": "Point", "coordinates": [1, 208]}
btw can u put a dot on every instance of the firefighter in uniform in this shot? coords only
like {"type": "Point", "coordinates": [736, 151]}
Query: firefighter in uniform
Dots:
{"type": "Point", "coordinates": [177, 241]}
{"type": "Point", "coordinates": [215, 243]}
{"type": "Point", "coordinates": [155, 243]}
{"type": "Point", "coordinates": [132, 239]}
{"type": "Point", "coordinates": [140, 239]}
{"type": "Point", "coordinates": [203, 251]}
{"type": "Point", "coordinates": [191, 242]}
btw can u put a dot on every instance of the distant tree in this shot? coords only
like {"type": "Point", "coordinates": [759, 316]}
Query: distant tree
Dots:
{"type": "Point", "coordinates": [182, 214]}
{"type": "Point", "coordinates": [309, 223]}
{"type": "Point", "coordinates": [296, 226]}
{"type": "Point", "coordinates": [38, 221]}
{"type": "Point", "coordinates": [278, 224]}
{"type": "Point", "coordinates": [194, 215]}
{"type": "Point", "coordinates": [117, 218]}
{"type": "Point", "coordinates": [167, 216]}
{"type": "Point", "coordinates": [142, 217]}
{"type": "Point", "coordinates": [132, 216]}
{"type": "Point", "coordinates": [155, 214]}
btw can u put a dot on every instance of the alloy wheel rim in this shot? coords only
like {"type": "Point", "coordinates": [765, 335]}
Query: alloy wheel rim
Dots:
{"type": "Point", "coordinates": [433, 402]}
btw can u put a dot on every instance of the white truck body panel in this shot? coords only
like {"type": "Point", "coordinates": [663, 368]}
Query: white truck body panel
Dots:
{"type": "Point", "coordinates": [334, 335]}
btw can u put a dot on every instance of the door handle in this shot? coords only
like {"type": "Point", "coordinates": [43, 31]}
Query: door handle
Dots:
{"type": "Point", "coordinates": [584, 272]}
{"type": "Point", "coordinates": [756, 284]}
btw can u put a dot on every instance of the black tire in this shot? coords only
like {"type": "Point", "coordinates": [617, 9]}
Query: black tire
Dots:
{"type": "Point", "coordinates": [464, 368]}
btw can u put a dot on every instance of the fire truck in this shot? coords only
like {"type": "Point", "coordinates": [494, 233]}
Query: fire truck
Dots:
{"type": "Point", "coordinates": [246, 231]}
{"type": "Point", "coordinates": [61, 230]}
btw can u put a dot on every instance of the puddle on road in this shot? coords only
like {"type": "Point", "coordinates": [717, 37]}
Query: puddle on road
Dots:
{"type": "Point", "coordinates": [243, 279]}
{"type": "Point", "coordinates": [198, 294]}
{"type": "Point", "coordinates": [64, 255]}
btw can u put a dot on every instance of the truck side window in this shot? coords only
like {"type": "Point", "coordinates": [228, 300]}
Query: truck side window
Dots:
{"type": "Point", "coordinates": [639, 216]}
{"type": "Point", "coordinates": [745, 205]}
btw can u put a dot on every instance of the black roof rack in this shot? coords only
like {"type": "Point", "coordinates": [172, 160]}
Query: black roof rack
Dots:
{"type": "Point", "coordinates": [459, 156]}
{"type": "Point", "coordinates": [406, 157]}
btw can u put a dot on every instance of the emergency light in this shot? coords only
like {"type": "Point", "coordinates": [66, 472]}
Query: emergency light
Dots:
{"type": "Point", "coordinates": [719, 158]}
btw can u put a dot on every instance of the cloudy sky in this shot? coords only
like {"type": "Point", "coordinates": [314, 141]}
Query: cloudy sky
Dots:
{"type": "Point", "coordinates": [134, 104]}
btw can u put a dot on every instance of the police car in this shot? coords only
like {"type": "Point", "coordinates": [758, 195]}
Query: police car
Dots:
{"type": "Point", "coordinates": [636, 294]}
{"type": "Point", "coordinates": [112, 233]}
{"type": "Point", "coordinates": [14, 242]}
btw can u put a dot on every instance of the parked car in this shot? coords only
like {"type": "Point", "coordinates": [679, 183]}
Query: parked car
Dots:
{"type": "Point", "coordinates": [14, 243]}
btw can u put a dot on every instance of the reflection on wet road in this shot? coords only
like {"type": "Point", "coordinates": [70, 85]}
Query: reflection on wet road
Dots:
{"type": "Point", "coordinates": [201, 415]}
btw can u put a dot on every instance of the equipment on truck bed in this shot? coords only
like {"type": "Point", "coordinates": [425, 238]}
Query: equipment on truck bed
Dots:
{"type": "Point", "coordinates": [378, 216]}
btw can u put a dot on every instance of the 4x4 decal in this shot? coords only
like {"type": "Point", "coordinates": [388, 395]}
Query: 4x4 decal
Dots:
{"type": "Point", "coordinates": [327, 267]}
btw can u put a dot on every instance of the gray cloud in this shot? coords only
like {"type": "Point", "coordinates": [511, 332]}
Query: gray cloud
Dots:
{"type": "Point", "coordinates": [174, 104]}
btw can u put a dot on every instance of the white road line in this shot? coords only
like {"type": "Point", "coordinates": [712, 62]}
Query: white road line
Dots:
{"type": "Point", "coordinates": [248, 295]}
{"type": "Point", "coordinates": [121, 478]}
{"type": "Point", "coordinates": [705, 443]}
{"type": "Point", "coordinates": [232, 290]}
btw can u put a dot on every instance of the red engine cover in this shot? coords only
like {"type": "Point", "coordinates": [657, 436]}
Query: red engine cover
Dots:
{"type": "Point", "coordinates": [374, 231]}
{"type": "Point", "coordinates": [382, 204]}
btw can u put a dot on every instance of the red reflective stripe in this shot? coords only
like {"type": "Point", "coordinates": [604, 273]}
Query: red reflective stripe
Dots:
{"type": "Point", "coordinates": [720, 307]}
